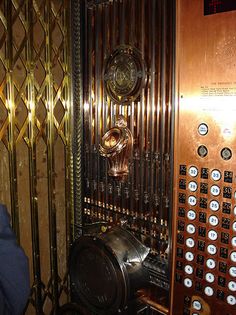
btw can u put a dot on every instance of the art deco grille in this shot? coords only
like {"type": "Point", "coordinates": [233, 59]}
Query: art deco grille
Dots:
{"type": "Point", "coordinates": [35, 140]}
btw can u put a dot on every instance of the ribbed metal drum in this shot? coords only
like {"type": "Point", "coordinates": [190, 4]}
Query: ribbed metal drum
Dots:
{"type": "Point", "coordinates": [107, 270]}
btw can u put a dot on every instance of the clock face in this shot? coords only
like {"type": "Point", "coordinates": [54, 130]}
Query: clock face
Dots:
{"type": "Point", "coordinates": [124, 74]}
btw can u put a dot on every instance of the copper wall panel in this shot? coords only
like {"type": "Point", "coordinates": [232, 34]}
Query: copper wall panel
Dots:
{"type": "Point", "coordinates": [35, 141]}
{"type": "Point", "coordinates": [205, 94]}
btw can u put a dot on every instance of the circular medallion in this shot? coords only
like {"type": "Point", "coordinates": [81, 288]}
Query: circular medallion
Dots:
{"type": "Point", "coordinates": [124, 74]}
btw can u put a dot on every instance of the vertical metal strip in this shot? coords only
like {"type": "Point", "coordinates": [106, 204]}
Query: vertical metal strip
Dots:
{"type": "Point", "coordinates": [50, 161]}
{"type": "Point", "coordinates": [11, 110]}
{"type": "Point", "coordinates": [32, 160]}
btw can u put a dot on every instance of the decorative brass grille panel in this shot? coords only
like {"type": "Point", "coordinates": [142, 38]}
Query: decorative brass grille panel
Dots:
{"type": "Point", "coordinates": [35, 140]}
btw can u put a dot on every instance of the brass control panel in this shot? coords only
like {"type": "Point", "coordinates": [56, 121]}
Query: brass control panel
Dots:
{"type": "Point", "coordinates": [204, 223]}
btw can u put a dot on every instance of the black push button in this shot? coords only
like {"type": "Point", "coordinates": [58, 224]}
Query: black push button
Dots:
{"type": "Point", "coordinates": [199, 273]}
{"type": "Point", "coordinates": [180, 252]}
{"type": "Point", "coordinates": [182, 198]}
{"type": "Point", "coordinates": [227, 192]}
{"type": "Point", "coordinates": [204, 173]}
{"type": "Point", "coordinates": [221, 281]}
{"type": "Point", "coordinates": [200, 258]}
{"type": "Point", "coordinates": [202, 217]}
{"type": "Point", "coordinates": [203, 188]}
{"type": "Point", "coordinates": [226, 208]}
{"type": "Point", "coordinates": [203, 203]}
{"type": "Point", "coordinates": [228, 177]}
{"type": "Point", "coordinates": [182, 169]}
{"type": "Point", "coordinates": [222, 267]}
{"type": "Point", "coordinates": [226, 223]}
{"type": "Point", "coordinates": [223, 252]}
{"type": "Point", "coordinates": [225, 238]}
{"type": "Point", "coordinates": [182, 183]}
{"type": "Point", "coordinates": [181, 212]}
{"type": "Point", "coordinates": [201, 231]}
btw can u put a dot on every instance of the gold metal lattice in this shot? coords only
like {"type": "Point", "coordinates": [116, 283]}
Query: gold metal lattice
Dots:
{"type": "Point", "coordinates": [35, 140]}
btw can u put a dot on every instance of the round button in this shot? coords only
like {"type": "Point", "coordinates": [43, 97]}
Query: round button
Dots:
{"type": "Point", "coordinates": [211, 249]}
{"type": "Point", "coordinates": [232, 286]}
{"type": "Point", "coordinates": [190, 242]}
{"type": "Point", "coordinates": [188, 269]}
{"type": "Point", "coordinates": [216, 175]}
{"type": "Point", "coordinates": [210, 263]}
{"type": "Point", "coordinates": [191, 215]}
{"type": "Point", "coordinates": [202, 129]}
{"type": "Point", "coordinates": [235, 210]}
{"type": "Point", "coordinates": [202, 151]}
{"type": "Point", "coordinates": [188, 282]}
{"type": "Point", "coordinates": [193, 171]}
{"type": "Point", "coordinates": [233, 241]}
{"type": "Point", "coordinates": [232, 271]}
{"type": "Point", "coordinates": [233, 256]}
{"type": "Point", "coordinates": [231, 300]}
{"type": "Point", "coordinates": [197, 305]}
{"type": "Point", "coordinates": [214, 205]}
{"type": "Point", "coordinates": [210, 277]}
{"type": "Point", "coordinates": [234, 226]}
{"type": "Point", "coordinates": [192, 200]}
{"type": "Point", "coordinates": [215, 190]}
{"type": "Point", "coordinates": [226, 154]}
{"type": "Point", "coordinates": [191, 229]}
{"type": "Point", "coordinates": [208, 291]}
{"type": "Point", "coordinates": [213, 220]}
{"type": "Point", "coordinates": [212, 235]}
{"type": "Point", "coordinates": [189, 256]}
{"type": "Point", "coordinates": [192, 186]}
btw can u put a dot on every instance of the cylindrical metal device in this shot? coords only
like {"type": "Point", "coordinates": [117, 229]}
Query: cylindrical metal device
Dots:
{"type": "Point", "coordinates": [106, 270]}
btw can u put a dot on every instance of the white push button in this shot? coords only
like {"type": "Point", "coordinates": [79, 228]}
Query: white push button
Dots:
{"type": "Point", "coordinates": [210, 277]}
{"type": "Point", "coordinates": [210, 263]}
{"type": "Point", "coordinates": [188, 282]}
{"type": "Point", "coordinates": [192, 200]}
{"type": "Point", "coordinates": [233, 256]}
{"type": "Point", "coordinates": [188, 269]}
{"type": "Point", "coordinates": [235, 210]}
{"type": "Point", "coordinates": [234, 226]}
{"type": "Point", "coordinates": [231, 300]}
{"type": "Point", "coordinates": [191, 215]}
{"type": "Point", "coordinates": [216, 175]}
{"type": "Point", "coordinates": [190, 242]}
{"type": "Point", "coordinates": [202, 129]}
{"type": "Point", "coordinates": [208, 291]}
{"type": "Point", "coordinates": [192, 186]}
{"type": "Point", "coordinates": [232, 271]}
{"type": "Point", "coordinates": [211, 249]}
{"type": "Point", "coordinates": [197, 305]}
{"type": "Point", "coordinates": [233, 241]}
{"type": "Point", "coordinates": [189, 256]}
{"type": "Point", "coordinates": [212, 235]}
{"type": "Point", "coordinates": [215, 190]}
{"type": "Point", "coordinates": [193, 171]}
{"type": "Point", "coordinates": [214, 205]}
{"type": "Point", "coordinates": [232, 286]}
{"type": "Point", "coordinates": [213, 220]}
{"type": "Point", "coordinates": [191, 229]}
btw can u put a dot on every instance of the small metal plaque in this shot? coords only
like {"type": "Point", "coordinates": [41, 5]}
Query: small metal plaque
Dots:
{"type": "Point", "coordinates": [124, 74]}
{"type": "Point", "coordinates": [217, 6]}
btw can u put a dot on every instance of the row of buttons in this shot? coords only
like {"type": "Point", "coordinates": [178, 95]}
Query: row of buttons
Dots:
{"type": "Point", "coordinates": [216, 174]}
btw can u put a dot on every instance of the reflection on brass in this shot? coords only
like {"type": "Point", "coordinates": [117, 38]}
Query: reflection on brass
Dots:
{"type": "Point", "coordinates": [124, 74]}
{"type": "Point", "coordinates": [117, 145]}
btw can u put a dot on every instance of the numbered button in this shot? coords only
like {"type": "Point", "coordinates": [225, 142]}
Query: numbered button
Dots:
{"type": "Point", "coordinates": [210, 263]}
{"type": "Point", "coordinates": [214, 205]}
{"type": "Point", "coordinates": [215, 190]}
{"type": "Point", "coordinates": [209, 277]}
{"type": "Point", "coordinates": [234, 226]}
{"type": "Point", "coordinates": [208, 291]}
{"type": "Point", "coordinates": [193, 171]}
{"type": "Point", "coordinates": [232, 271]}
{"type": "Point", "coordinates": [191, 229]}
{"type": "Point", "coordinates": [216, 175]}
{"type": "Point", "coordinates": [212, 235]}
{"type": "Point", "coordinates": [213, 220]}
{"type": "Point", "coordinates": [233, 256]}
{"type": "Point", "coordinates": [235, 210]}
{"type": "Point", "coordinates": [233, 241]}
{"type": "Point", "coordinates": [191, 215]}
{"type": "Point", "coordinates": [211, 249]}
{"type": "Point", "coordinates": [231, 300]}
{"type": "Point", "coordinates": [189, 256]}
{"type": "Point", "coordinates": [232, 286]}
{"type": "Point", "coordinates": [190, 242]}
{"type": "Point", "coordinates": [192, 200]}
{"type": "Point", "coordinates": [188, 282]}
{"type": "Point", "coordinates": [188, 269]}
{"type": "Point", "coordinates": [197, 305]}
{"type": "Point", "coordinates": [202, 129]}
{"type": "Point", "coordinates": [192, 186]}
